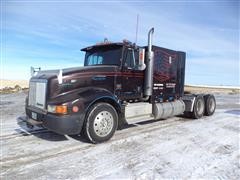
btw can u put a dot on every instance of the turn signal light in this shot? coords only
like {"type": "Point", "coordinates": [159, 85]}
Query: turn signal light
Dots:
{"type": "Point", "coordinates": [60, 109]}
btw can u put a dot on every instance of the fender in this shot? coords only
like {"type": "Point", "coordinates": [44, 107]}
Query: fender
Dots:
{"type": "Point", "coordinates": [85, 97]}
{"type": "Point", "coordinates": [93, 95]}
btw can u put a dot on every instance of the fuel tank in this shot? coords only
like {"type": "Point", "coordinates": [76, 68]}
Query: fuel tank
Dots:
{"type": "Point", "coordinates": [168, 109]}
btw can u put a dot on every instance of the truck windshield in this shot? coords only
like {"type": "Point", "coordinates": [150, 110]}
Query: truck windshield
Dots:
{"type": "Point", "coordinates": [103, 56]}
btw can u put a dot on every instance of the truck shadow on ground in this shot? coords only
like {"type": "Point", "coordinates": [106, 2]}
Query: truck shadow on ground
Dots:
{"type": "Point", "coordinates": [41, 132]}
{"type": "Point", "coordinates": [48, 135]}
{"type": "Point", "coordinates": [234, 111]}
{"type": "Point", "coordinates": [128, 126]}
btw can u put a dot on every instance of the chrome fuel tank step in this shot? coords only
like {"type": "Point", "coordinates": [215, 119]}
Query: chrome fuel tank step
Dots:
{"type": "Point", "coordinates": [141, 111]}
{"type": "Point", "coordinates": [138, 112]}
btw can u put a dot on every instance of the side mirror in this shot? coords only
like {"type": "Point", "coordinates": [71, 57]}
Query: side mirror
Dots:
{"type": "Point", "coordinates": [141, 65]}
{"type": "Point", "coordinates": [34, 70]}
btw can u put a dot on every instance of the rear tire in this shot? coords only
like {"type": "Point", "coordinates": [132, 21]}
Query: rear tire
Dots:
{"type": "Point", "coordinates": [198, 108]}
{"type": "Point", "coordinates": [101, 123]}
{"type": "Point", "coordinates": [210, 104]}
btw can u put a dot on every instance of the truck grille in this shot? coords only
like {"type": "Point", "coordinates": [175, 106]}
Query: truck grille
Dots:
{"type": "Point", "coordinates": [37, 93]}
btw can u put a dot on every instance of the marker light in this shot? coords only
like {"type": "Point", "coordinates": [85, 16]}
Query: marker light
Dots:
{"type": "Point", "coordinates": [75, 109]}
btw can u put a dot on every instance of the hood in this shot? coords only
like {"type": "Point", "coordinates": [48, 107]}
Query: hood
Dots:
{"type": "Point", "coordinates": [49, 74]}
{"type": "Point", "coordinates": [77, 78]}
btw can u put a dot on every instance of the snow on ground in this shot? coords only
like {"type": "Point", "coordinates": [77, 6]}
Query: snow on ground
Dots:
{"type": "Point", "coordinates": [174, 148]}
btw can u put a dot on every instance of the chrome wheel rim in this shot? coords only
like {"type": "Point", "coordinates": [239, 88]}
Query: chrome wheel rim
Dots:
{"type": "Point", "coordinates": [103, 123]}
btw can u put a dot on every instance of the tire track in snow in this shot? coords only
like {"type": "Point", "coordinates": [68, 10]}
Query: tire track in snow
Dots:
{"type": "Point", "coordinates": [10, 162]}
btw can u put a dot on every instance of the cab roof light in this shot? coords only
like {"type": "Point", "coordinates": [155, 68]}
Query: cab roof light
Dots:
{"type": "Point", "coordinates": [105, 41]}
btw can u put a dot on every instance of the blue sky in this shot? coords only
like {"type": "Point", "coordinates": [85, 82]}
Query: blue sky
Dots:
{"type": "Point", "coordinates": [50, 34]}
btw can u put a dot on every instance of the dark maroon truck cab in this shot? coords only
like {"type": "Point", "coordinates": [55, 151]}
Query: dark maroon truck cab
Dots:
{"type": "Point", "coordinates": [119, 83]}
{"type": "Point", "coordinates": [83, 86]}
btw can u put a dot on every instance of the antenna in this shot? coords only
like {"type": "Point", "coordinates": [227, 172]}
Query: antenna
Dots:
{"type": "Point", "coordinates": [136, 29]}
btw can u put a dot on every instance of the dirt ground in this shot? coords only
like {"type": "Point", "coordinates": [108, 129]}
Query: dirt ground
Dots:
{"type": "Point", "coordinates": [12, 86]}
{"type": "Point", "coordinates": [213, 90]}
{"type": "Point", "coordinates": [12, 83]}
{"type": "Point", "coordinates": [174, 148]}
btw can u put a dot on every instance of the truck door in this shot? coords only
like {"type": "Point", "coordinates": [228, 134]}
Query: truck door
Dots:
{"type": "Point", "coordinates": [132, 79]}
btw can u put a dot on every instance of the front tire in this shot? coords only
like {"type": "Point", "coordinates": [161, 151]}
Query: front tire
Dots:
{"type": "Point", "coordinates": [101, 123]}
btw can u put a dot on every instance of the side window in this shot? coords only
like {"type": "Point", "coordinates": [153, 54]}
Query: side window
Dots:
{"type": "Point", "coordinates": [136, 54]}
{"type": "Point", "coordinates": [131, 58]}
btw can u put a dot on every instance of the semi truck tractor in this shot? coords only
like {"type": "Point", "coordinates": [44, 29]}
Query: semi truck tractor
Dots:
{"type": "Point", "coordinates": [120, 83]}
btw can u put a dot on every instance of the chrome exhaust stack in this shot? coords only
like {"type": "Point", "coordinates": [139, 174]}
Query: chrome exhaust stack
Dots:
{"type": "Point", "coordinates": [148, 77]}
